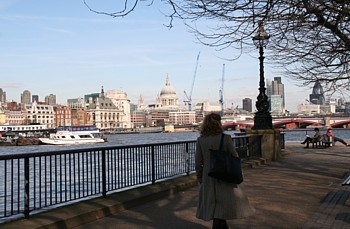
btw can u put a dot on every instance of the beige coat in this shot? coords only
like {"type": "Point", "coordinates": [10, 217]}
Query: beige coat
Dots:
{"type": "Point", "coordinates": [218, 199]}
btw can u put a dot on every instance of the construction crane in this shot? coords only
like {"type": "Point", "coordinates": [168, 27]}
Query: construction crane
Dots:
{"type": "Point", "coordinates": [188, 98]}
{"type": "Point", "coordinates": [221, 91]}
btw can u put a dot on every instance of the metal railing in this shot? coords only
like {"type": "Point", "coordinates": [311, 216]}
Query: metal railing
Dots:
{"type": "Point", "coordinates": [35, 181]}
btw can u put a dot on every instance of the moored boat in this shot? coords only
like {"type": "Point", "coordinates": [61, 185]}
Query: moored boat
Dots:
{"type": "Point", "coordinates": [68, 135]}
{"type": "Point", "coordinates": [151, 129]}
{"type": "Point", "coordinates": [138, 130]}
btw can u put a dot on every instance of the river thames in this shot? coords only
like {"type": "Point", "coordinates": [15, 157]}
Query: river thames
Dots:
{"type": "Point", "coordinates": [149, 138]}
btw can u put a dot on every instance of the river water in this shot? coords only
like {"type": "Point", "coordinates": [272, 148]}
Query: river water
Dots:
{"type": "Point", "coordinates": [148, 138]}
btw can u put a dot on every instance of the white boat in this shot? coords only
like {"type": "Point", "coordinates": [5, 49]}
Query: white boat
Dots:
{"type": "Point", "coordinates": [69, 135]}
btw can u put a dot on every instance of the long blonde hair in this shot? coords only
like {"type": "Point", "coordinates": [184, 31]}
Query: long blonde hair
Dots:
{"type": "Point", "coordinates": [211, 125]}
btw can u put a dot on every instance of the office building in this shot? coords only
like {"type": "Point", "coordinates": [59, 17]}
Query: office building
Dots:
{"type": "Point", "coordinates": [50, 99]}
{"type": "Point", "coordinates": [26, 97]}
{"type": "Point", "coordinates": [275, 93]}
{"type": "Point", "coordinates": [35, 98]}
{"type": "Point", "coordinates": [2, 96]}
{"type": "Point", "coordinates": [247, 104]}
{"type": "Point", "coordinates": [317, 95]}
{"type": "Point", "coordinates": [76, 103]}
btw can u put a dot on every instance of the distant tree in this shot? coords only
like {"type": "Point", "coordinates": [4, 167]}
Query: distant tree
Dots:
{"type": "Point", "coordinates": [310, 39]}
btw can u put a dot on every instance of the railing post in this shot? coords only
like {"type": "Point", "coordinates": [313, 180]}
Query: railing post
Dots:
{"type": "Point", "coordinates": [260, 145]}
{"type": "Point", "coordinates": [153, 165]}
{"type": "Point", "coordinates": [187, 159]}
{"type": "Point", "coordinates": [247, 143]}
{"type": "Point", "coordinates": [282, 141]}
{"type": "Point", "coordinates": [104, 175]}
{"type": "Point", "coordinates": [26, 187]}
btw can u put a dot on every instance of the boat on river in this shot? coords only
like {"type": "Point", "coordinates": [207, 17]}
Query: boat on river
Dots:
{"type": "Point", "coordinates": [139, 130]}
{"type": "Point", "coordinates": [69, 135]}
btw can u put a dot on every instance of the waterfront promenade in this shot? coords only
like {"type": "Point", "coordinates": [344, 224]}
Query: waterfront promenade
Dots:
{"type": "Point", "coordinates": [301, 190]}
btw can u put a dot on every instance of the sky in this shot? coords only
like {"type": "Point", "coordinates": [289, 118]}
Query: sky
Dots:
{"type": "Point", "coordinates": [60, 47]}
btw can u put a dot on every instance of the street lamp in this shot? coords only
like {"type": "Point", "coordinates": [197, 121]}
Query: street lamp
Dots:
{"type": "Point", "coordinates": [262, 119]}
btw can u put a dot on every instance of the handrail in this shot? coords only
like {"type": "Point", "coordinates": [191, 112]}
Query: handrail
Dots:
{"type": "Point", "coordinates": [34, 181]}
{"type": "Point", "coordinates": [21, 155]}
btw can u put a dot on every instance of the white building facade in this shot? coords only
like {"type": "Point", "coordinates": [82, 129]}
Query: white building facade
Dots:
{"type": "Point", "coordinates": [207, 106]}
{"type": "Point", "coordinates": [15, 117]}
{"type": "Point", "coordinates": [313, 109]}
{"type": "Point", "coordinates": [182, 117]}
{"type": "Point", "coordinates": [121, 101]}
{"type": "Point", "coordinates": [40, 113]}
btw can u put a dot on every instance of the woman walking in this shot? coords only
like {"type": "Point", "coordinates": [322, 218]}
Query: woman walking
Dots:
{"type": "Point", "coordinates": [218, 200]}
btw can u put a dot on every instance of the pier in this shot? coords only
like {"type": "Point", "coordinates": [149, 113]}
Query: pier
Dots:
{"type": "Point", "coordinates": [303, 189]}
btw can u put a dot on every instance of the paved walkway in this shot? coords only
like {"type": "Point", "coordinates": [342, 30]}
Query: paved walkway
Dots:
{"type": "Point", "coordinates": [301, 190]}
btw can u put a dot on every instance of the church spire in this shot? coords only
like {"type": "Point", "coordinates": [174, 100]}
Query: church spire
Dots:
{"type": "Point", "coordinates": [167, 83]}
{"type": "Point", "coordinates": [102, 93]}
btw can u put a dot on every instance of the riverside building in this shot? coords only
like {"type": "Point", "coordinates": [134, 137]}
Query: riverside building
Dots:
{"type": "Point", "coordinates": [40, 113]}
{"type": "Point", "coordinates": [79, 114]}
{"type": "Point", "coordinates": [121, 101]}
{"type": "Point", "coordinates": [166, 110]}
{"type": "Point", "coordinates": [110, 110]}
{"type": "Point", "coordinates": [14, 117]}
{"type": "Point", "coordinates": [63, 116]}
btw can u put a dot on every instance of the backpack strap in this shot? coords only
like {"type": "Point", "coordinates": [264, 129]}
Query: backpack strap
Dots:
{"type": "Point", "coordinates": [221, 142]}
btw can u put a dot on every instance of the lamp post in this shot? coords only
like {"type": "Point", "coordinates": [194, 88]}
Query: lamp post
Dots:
{"type": "Point", "coordinates": [262, 119]}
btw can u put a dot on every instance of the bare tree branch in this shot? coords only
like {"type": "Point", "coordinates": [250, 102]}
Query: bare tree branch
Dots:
{"type": "Point", "coordinates": [125, 11]}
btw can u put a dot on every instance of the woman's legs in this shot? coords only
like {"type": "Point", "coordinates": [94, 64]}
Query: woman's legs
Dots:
{"type": "Point", "coordinates": [219, 224]}
{"type": "Point", "coordinates": [340, 140]}
{"type": "Point", "coordinates": [307, 139]}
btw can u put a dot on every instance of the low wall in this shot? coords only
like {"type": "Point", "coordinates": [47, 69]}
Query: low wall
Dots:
{"type": "Point", "coordinates": [270, 143]}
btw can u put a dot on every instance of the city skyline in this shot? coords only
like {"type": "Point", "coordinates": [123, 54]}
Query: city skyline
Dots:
{"type": "Point", "coordinates": [64, 49]}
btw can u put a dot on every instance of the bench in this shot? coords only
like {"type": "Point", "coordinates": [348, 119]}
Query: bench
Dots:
{"type": "Point", "coordinates": [323, 141]}
{"type": "Point", "coordinates": [327, 141]}
{"type": "Point", "coordinates": [317, 144]}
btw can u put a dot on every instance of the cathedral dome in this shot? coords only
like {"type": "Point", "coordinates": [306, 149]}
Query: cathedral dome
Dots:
{"type": "Point", "coordinates": [167, 98]}
{"type": "Point", "coordinates": [167, 89]}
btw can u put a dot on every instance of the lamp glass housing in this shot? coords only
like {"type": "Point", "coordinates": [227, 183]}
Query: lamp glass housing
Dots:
{"type": "Point", "coordinates": [261, 39]}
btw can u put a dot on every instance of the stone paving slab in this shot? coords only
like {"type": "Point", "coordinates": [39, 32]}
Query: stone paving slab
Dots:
{"type": "Point", "coordinates": [334, 211]}
{"type": "Point", "coordinates": [286, 194]}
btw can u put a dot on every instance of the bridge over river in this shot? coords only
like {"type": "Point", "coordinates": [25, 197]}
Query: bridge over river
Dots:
{"type": "Point", "coordinates": [294, 122]}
